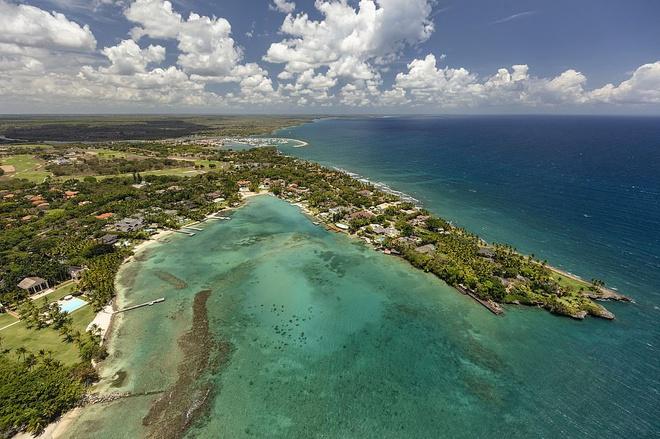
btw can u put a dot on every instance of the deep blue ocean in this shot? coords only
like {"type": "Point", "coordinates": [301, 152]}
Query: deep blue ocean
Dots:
{"type": "Point", "coordinates": [581, 192]}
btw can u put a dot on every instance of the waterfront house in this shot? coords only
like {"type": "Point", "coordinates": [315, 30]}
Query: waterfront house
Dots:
{"type": "Point", "coordinates": [214, 196]}
{"type": "Point", "coordinates": [419, 221]}
{"type": "Point", "coordinates": [426, 249]}
{"type": "Point", "coordinates": [362, 214]}
{"type": "Point", "coordinates": [33, 285]}
{"type": "Point", "coordinates": [244, 185]}
{"type": "Point", "coordinates": [486, 253]}
{"type": "Point", "coordinates": [391, 232]}
{"type": "Point", "coordinates": [409, 240]}
{"type": "Point", "coordinates": [378, 229]}
{"type": "Point", "coordinates": [109, 239]}
{"type": "Point", "coordinates": [104, 216]}
{"type": "Point", "coordinates": [265, 184]}
{"type": "Point", "coordinates": [387, 231]}
{"type": "Point", "coordinates": [129, 225]}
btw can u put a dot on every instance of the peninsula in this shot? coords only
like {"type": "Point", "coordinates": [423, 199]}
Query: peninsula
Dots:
{"type": "Point", "coordinates": [72, 212]}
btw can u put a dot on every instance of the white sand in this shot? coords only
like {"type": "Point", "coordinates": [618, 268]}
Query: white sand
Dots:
{"type": "Point", "coordinates": [56, 430]}
{"type": "Point", "coordinates": [102, 320]}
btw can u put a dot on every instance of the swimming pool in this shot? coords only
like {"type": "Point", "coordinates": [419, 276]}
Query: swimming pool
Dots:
{"type": "Point", "coordinates": [71, 304]}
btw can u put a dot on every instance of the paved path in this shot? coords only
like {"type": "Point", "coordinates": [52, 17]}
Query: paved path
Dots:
{"type": "Point", "coordinates": [11, 324]}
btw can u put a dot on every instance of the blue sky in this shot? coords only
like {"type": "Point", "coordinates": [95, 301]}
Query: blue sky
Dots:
{"type": "Point", "coordinates": [331, 56]}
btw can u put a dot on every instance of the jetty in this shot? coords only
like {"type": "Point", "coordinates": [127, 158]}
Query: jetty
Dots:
{"type": "Point", "coordinates": [193, 228]}
{"type": "Point", "coordinates": [491, 306]}
{"type": "Point", "coordinates": [218, 217]}
{"type": "Point", "coordinates": [185, 232]}
{"type": "Point", "coordinates": [153, 302]}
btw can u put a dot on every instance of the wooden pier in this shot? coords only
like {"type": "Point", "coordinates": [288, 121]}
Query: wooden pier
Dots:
{"type": "Point", "coordinates": [185, 232]}
{"type": "Point", "coordinates": [491, 306]}
{"type": "Point", "coordinates": [193, 228]}
{"type": "Point", "coordinates": [153, 302]}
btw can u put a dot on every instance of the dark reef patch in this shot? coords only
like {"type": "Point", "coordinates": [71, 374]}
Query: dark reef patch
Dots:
{"type": "Point", "coordinates": [189, 397]}
{"type": "Point", "coordinates": [171, 279]}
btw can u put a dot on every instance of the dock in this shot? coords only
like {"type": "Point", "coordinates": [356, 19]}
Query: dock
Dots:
{"type": "Point", "coordinates": [193, 228]}
{"type": "Point", "coordinates": [185, 232]}
{"type": "Point", "coordinates": [491, 306]}
{"type": "Point", "coordinates": [153, 302]}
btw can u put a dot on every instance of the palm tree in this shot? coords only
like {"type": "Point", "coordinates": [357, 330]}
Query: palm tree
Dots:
{"type": "Point", "coordinates": [30, 361]}
{"type": "Point", "coordinates": [21, 351]}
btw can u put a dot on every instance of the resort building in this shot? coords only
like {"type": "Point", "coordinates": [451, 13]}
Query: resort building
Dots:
{"type": "Point", "coordinates": [33, 285]}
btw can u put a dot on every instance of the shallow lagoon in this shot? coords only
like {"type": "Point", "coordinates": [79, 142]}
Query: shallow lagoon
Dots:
{"type": "Point", "coordinates": [331, 339]}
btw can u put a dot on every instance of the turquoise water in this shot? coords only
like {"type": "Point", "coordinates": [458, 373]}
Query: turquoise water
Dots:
{"type": "Point", "coordinates": [333, 340]}
{"type": "Point", "coordinates": [71, 304]}
{"type": "Point", "coordinates": [581, 192]}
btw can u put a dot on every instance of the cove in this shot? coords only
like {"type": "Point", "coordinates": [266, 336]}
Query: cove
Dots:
{"type": "Point", "coordinates": [307, 333]}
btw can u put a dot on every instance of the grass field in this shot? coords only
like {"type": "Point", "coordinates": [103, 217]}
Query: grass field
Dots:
{"type": "Point", "coordinates": [107, 154]}
{"type": "Point", "coordinates": [26, 166]}
{"type": "Point", "coordinates": [570, 283]}
{"type": "Point", "coordinates": [47, 339]}
{"type": "Point", "coordinates": [206, 163]}
{"type": "Point", "coordinates": [181, 172]}
{"type": "Point", "coordinates": [6, 319]}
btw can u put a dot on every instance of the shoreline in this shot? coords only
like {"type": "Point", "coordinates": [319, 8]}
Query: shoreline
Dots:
{"type": "Point", "coordinates": [109, 322]}
{"type": "Point", "coordinates": [606, 293]}
{"type": "Point", "coordinates": [58, 428]}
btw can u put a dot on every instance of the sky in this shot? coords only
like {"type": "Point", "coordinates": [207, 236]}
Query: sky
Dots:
{"type": "Point", "coordinates": [330, 56]}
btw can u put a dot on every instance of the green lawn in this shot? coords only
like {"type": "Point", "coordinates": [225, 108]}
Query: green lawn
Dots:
{"type": "Point", "coordinates": [26, 167]}
{"type": "Point", "coordinates": [47, 339]}
{"type": "Point", "coordinates": [107, 154]}
{"type": "Point", "coordinates": [206, 163]}
{"type": "Point", "coordinates": [6, 319]}
{"type": "Point", "coordinates": [569, 283]}
{"type": "Point", "coordinates": [184, 172]}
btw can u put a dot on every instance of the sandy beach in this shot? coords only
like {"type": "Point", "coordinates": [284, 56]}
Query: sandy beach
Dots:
{"type": "Point", "coordinates": [104, 320]}
{"type": "Point", "coordinates": [55, 430]}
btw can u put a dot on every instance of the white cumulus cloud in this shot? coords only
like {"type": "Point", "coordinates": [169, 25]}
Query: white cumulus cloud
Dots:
{"type": "Point", "coordinates": [427, 83]}
{"type": "Point", "coordinates": [284, 6]}
{"type": "Point", "coordinates": [643, 87]}
{"type": "Point", "coordinates": [349, 43]}
{"type": "Point", "coordinates": [205, 43]}
{"type": "Point", "coordinates": [30, 26]}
